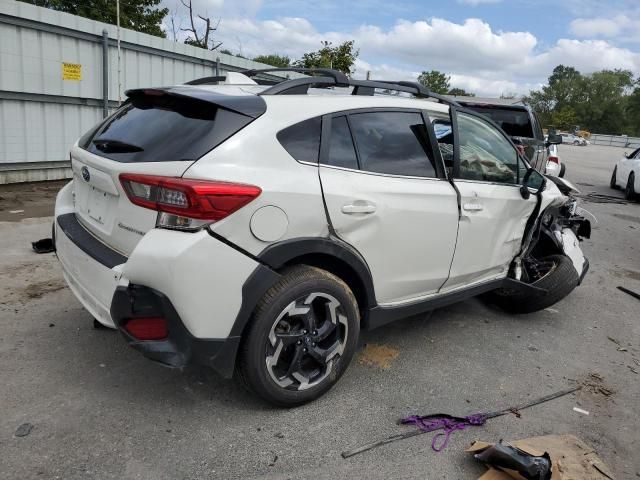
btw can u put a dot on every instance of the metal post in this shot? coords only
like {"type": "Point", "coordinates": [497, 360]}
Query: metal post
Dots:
{"type": "Point", "coordinates": [105, 73]}
{"type": "Point", "coordinates": [217, 68]}
{"type": "Point", "coordinates": [118, 34]}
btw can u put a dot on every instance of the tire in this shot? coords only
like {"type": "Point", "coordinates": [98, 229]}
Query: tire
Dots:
{"type": "Point", "coordinates": [612, 182]}
{"type": "Point", "coordinates": [301, 338]}
{"type": "Point", "coordinates": [563, 169]}
{"type": "Point", "coordinates": [629, 191]}
{"type": "Point", "coordinates": [576, 143]}
{"type": "Point", "coordinates": [559, 282]}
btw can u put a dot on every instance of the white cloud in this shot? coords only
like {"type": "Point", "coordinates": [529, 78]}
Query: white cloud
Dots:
{"type": "Point", "coordinates": [624, 27]}
{"type": "Point", "coordinates": [478, 58]}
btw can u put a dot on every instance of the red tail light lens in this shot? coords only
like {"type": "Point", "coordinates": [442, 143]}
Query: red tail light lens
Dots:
{"type": "Point", "coordinates": [198, 199]}
{"type": "Point", "coordinates": [148, 328]}
{"type": "Point", "coordinates": [554, 160]}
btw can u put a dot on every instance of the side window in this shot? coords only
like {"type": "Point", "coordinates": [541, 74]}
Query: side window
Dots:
{"type": "Point", "coordinates": [302, 140]}
{"type": "Point", "coordinates": [485, 154]}
{"type": "Point", "coordinates": [341, 150]}
{"type": "Point", "coordinates": [393, 142]}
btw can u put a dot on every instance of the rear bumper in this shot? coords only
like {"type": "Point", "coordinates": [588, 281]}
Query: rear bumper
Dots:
{"type": "Point", "coordinates": [205, 288]}
{"type": "Point", "coordinates": [180, 348]}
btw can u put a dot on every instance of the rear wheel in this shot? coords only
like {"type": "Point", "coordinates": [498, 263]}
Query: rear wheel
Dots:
{"type": "Point", "coordinates": [612, 182]}
{"type": "Point", "coordinates": [629, 191]}
{"type": "Point", "coordinates": [301, 339]}
{"type": "Point", "coordinates": [563, 168]}
{"type": "Point", "coordinates": [576, 143]}
{"type": "Point", "coordinates": [554, 273]}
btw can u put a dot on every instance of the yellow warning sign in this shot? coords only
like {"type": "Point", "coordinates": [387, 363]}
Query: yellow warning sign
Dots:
{"type": "Point", "coordinates": [71, 71]}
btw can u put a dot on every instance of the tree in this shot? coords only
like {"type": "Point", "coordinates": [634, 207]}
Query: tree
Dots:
{"type": "Point", "coordinates": [633, 112]}
{"type": "Point", "coordinates": [274, 60]}
{"type": "Point", "coordinates": [200, 36]}
{"type": "Point", "coordinates": [141, 15]}
{"type": "Point", "coordinates": [340, 58]}
{"type": "Point", "coordinates": [435, 81]}
{"type": "Point", "coordinates": [565, 118]}
{"type": "Point", "coordinates": [460, 92]}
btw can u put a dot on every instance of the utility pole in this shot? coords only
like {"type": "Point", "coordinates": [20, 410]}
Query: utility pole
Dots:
{"type": "Point", "coordinates": [118, 32]}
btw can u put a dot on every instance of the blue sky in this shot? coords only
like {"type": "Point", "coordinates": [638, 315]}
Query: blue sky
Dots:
{"type": "Point", "coordinates": [487, 46]}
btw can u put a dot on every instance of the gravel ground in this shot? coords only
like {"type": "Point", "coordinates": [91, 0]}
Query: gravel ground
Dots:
{"type": "Point", "coordinates": [100, 410]}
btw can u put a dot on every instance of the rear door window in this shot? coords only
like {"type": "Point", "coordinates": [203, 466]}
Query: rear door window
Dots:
{"type": "Point", "coordinates": [341, 150]}
{"type": "Point", "coordinates": [394, 143]}
{"type": "Point", "coordinates": [162, 128]}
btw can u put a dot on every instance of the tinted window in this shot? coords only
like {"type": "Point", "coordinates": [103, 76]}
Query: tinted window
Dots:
{"type": "Point", "coordinates": [162, 128]}
{"type": "Point", "coordinates": [392, 142]}
{"type": "Point", "coordinates": [302, 140]}
{"type": "Point", "coordinates": [341, 150]}
{"type": "Point", "coordinates": [515, 122]}
{"type": "Point", "coordinates": [485, 154]}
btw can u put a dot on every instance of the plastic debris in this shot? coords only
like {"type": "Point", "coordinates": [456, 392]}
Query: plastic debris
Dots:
{"type": "Point", "coordinates": [579, 410]}
{"type": "Point", "coordinates": [24, 430]}
{"type": "Point", "coordinates": [44, 245]}
{"type": "Point", "coordinates": [530, 467]}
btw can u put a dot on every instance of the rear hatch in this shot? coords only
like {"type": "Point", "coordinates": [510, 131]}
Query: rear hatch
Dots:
{"type": "Point", "coordinates": [156, 132]}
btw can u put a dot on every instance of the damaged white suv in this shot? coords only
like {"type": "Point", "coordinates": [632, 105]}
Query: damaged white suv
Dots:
{"type": "Point", "coordinates": [257, 228]}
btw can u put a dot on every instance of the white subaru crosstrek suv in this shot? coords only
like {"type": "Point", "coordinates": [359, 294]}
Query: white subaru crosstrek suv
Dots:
{"type": "Point", "coordinates": [257, 228]}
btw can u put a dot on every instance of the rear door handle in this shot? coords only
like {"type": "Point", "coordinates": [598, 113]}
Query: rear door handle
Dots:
{"type": "Point", "coordinates": [472, 207]}
{"type": "Point", "coordinates": [358, 208]}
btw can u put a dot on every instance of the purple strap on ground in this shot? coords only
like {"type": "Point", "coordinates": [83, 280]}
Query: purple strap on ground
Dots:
{"type": "Point", "coordinates": [447, 424]}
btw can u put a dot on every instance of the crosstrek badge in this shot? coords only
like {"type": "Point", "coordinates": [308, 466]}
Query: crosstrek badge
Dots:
{"type": "Point", "coordinates": [71, 71]}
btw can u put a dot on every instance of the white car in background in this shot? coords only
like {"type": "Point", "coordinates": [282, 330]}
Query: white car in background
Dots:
{"type": "Point", "coordinates": [572, 139]}
{"type": "Point", "coordinates": [626, 175]}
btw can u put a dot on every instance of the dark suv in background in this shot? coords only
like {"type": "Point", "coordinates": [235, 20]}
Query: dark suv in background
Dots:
{"type": "Point", "coordinates": [520, 122]}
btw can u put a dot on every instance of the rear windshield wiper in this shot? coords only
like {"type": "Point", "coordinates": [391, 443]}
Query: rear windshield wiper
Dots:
{"type": "Point", "coordinates": [115, 146]}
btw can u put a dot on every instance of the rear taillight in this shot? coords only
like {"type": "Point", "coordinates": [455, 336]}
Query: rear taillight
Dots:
{"type": "Point", "coordinates": [186, 203]}
{"type": "Point", "coordinates": [554, 160]}
{"type": "Point", "coordinates": [147, 328]}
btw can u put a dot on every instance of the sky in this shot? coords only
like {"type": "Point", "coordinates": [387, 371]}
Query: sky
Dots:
{"type": "Point", "coordinates": [488, 47]}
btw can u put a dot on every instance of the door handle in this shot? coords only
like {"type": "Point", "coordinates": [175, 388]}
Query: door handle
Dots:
{"type": "Point", "coordinates": [358, 208]}
{"type": "Point", "coordinates": [473, 207]}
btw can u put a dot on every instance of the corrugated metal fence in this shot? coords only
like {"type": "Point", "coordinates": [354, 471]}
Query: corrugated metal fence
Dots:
{"type": "Point", "coordinates": [615, 140]}
{"type": "Point", "coordinates": [56, 81]}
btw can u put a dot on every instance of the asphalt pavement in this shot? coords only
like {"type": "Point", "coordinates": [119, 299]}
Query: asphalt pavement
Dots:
{"type": "Point", "coordinates": [97, 409]}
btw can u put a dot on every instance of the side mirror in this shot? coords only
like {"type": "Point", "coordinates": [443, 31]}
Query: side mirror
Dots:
{"type": "Point", "coordinates": [554, 139]}
{"type": "Point", "coordinates": [533, 182]}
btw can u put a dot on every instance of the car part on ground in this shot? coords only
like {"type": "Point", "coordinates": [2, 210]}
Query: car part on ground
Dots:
{"type": "Point", "coordinates": [530, 467]}
{"type": "Point", "coordinates": [451, 423]}
{"type": "Point", "coordinates": [269, 263]}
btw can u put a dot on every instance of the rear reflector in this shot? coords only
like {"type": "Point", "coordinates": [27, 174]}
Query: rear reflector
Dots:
{"type": "Point", "coordinates": [198, 199]}
{"type": "Point", "coordinates": [148, 328]}
{"type": "Point", "coordinates": [554, 160]}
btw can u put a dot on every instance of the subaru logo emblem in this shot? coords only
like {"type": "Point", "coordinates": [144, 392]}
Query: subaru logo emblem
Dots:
{"type": "Point", "coordinates": [85, 174]}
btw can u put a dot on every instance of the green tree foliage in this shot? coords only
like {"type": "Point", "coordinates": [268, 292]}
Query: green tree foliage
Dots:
{"type": "Point", "coordinates": [633, 112]}
{"type": "Point", "coordinates": [435, 81]}
{"type": "Point", "coordinates": [601, 102]}
{"type": "Point", "coordinates": [340, 58]}
{"type": "Point", "coordinates": [140, 15]}
{"type": "Point", "coordinates": [275, 60]}
{"type": "Point", "coordinates": [460, 92]}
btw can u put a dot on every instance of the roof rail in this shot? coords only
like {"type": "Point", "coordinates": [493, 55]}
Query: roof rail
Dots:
{"type": "Point", "coordinates": [339, 77]}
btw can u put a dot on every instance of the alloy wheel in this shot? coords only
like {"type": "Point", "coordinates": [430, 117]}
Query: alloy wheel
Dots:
{"type": "Point", "coordinates": [305, 341]}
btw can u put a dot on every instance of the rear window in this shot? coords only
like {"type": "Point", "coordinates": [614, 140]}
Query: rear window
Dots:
{"type": "Point", "coordinates": [515, 122]}
{"type": "Point", "coordinates": [162, 128]}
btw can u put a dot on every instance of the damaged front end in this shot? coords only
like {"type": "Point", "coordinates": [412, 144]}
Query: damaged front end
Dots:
{"type": "Point", "coordinates": [556, 227]}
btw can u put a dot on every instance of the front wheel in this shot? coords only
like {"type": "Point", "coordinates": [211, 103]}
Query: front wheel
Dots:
{"type": "Point", "coordinates": [301, 339]}
{"type": "Point", "coordinates": [555, 274]}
